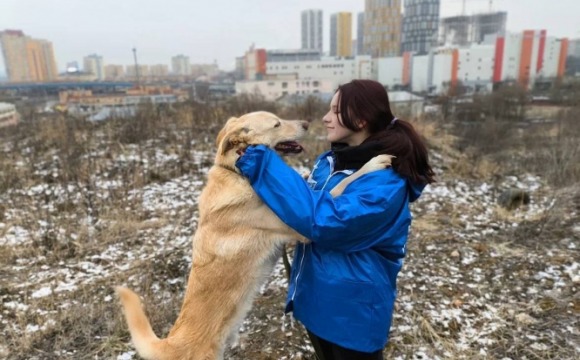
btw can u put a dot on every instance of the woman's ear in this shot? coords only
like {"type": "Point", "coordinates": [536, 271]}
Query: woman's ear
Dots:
{"type": "Point", "coordinates": [361, 124]}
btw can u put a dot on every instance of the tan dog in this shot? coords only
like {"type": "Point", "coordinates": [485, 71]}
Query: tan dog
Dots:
{"type": "Point", "coordinates": [234, 248]}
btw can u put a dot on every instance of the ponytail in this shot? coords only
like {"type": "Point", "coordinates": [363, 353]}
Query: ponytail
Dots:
{"type": "Point", "coordinates": [411, 156]}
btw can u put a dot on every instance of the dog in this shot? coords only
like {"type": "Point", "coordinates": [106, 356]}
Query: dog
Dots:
{"type": "Point", "coordinates": [235, 247]}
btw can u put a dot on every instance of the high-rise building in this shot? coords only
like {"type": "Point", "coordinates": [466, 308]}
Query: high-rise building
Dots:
{"type": "Point", "coordinates": [382, 30]}
{"type": "Point", "coordinates": [420, 26]}
{"type": "Point", "coordinates": [464, 30]}
{"type": "Point", "coordinates": [493, 23]}
{"type": "Point", "coordinates": [180, 65]}
{"type": "Point", "coordinates": [341, 34]}
{"type": "Point", "coordinates": [312, 29]}
{"type": "Point", "coordinates": [454, 31]}
{"type": "Point", "coordinates": [360, 33]}
{"type": "Point", "coordinates": [93, 64]}
{"type": "Point", "coordinates": [27, 59]}
{"type": "Point", "coordinates": [114, 72]}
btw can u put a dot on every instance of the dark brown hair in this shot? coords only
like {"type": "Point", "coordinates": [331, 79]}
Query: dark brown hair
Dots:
{"type": "Point", "coordinates": [368, 100]}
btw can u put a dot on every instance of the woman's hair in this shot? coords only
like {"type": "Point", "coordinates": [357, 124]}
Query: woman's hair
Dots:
{"type": "Point", "coordinates": [368, 100]}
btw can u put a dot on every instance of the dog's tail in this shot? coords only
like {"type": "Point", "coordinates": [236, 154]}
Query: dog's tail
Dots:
{"type": "Point", "coordinates": [148, 345]}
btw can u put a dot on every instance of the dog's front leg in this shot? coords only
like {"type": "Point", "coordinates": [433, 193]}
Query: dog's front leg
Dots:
{"type": "Point", "coordinates": [379, 162]}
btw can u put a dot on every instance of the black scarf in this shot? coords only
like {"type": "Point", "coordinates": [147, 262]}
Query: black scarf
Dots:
{"type": "Point", "coordinates": [354, 157]}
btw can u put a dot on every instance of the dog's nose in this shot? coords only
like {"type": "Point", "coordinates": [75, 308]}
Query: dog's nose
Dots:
{"type": "Point", "coordinates": [305, 125]}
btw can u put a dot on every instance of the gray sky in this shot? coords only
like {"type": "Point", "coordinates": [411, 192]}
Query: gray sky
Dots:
{"type": "Point", "coordinates": [220, 29]}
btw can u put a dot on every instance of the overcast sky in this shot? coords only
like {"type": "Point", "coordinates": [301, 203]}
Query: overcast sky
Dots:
{"type": "Point", "coordinates": [220, 29]}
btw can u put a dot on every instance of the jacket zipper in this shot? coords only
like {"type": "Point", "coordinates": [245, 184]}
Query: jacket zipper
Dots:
{"type": "Point", "coordinates": [331, 162]}
{"type": "Point", "coordinates": [299, 271]}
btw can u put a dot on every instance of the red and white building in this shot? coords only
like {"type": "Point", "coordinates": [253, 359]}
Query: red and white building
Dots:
{"type": "Point", "coordinates": [523, 58]}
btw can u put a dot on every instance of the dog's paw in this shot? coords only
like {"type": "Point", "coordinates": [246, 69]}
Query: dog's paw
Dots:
{"type": "Point", "coordinates": [379, 162]}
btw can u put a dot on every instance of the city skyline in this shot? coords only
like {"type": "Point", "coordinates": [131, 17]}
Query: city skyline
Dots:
{"type": "Point", "coordinates": [224, 30]}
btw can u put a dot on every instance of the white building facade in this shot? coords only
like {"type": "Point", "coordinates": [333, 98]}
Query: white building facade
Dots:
{"type": "Point", "coordinates": [336, 70]}
{"type": "Point", "coordinates": [276, 88]}
{"type": "Point", "coordinates": [522, 58]}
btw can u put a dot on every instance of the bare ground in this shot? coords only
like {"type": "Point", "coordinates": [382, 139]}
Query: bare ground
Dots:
{"type": "Point", "coordinates": [478, 282]}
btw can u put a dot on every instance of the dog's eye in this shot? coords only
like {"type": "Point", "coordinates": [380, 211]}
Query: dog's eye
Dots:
{"type": "Point", "coordinates": [277, 124]}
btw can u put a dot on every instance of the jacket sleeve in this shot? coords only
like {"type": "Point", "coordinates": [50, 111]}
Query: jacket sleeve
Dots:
{"type": "Point", "coordinates": [353, 221]}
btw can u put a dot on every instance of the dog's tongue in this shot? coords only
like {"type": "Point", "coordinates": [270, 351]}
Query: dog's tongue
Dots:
{"type": "Point", "coordinates": [289, 147]}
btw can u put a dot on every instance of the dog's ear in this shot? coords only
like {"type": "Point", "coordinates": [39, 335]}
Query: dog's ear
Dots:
{"type": "Point", "coordinates": [234, 139]}
{"type": "Point", "coordinates": [225, 129]}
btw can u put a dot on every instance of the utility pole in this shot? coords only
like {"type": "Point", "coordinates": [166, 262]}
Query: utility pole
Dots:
{"type": "Point", "coordinates": [136, 68]}
{"type": "Point", "coordinates": [463, 9]}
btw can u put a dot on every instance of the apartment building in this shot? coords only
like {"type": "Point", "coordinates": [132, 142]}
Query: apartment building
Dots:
{"type": "Point", "coordinates": [159, 70]}
{"type": "Point", "coordinates": [311, 26]}
{"type": "Point", "coordinates": [27, 59]}
{"type": "Point", "coordinates": [341, 34]}
{"type": "Point", "coordinates": [114, 72]}
{"type": "Point", "coordinates": [420, 26]}
{"type": "Point", "coordinates": [360, 34]}
{"type": "Point", "coordinates": [134, 72]}
{"type": "Point", "coordinates": [93, 64]}
{"type": "Point", "coordinates": [382, 28]}
{"type": "Point", "coordinates": [180, 65]}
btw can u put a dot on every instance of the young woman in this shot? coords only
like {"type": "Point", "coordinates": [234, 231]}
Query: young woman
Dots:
{"type": "Point", "coordinates": [343, 283]}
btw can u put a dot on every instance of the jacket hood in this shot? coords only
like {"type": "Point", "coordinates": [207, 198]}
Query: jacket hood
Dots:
{"type": "Point", "coordinates": [354, 157]}
{"type": "Point", "coordinates": [415, 190]}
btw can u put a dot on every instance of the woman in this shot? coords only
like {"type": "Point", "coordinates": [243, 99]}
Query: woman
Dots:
{"type": "Point", "coordinates": [343, 284]}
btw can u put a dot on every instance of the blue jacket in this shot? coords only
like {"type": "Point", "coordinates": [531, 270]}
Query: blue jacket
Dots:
{"type": "Point", "coordinates": [343, 284]}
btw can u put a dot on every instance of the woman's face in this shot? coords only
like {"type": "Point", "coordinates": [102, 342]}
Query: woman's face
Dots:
{"type": "Point", "coordinates": [336, 132]}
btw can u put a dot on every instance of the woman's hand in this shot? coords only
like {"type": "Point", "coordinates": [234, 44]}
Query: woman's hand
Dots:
{"type": "Point", "coordinates": [250, 162]}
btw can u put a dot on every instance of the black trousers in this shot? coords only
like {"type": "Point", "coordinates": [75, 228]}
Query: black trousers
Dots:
{"type": "Point", "coordinates": [326, 350]}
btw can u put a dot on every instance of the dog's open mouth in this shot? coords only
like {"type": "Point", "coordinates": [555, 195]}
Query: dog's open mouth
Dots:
{"type": "Point", "coordinates": [289, 147]}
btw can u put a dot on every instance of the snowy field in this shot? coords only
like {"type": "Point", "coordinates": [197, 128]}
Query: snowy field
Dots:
{"type": "Point", "coordinates": [479, 282]}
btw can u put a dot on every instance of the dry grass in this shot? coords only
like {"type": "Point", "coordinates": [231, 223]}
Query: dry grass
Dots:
{"type": "Point", "coordinates": [98, 205]}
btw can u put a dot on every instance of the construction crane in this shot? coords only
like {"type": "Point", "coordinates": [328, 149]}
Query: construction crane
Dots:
{"type": "Point", "coordinates": [463, 7]}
